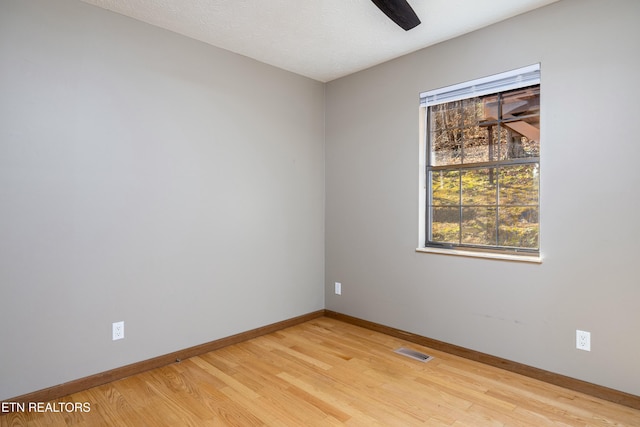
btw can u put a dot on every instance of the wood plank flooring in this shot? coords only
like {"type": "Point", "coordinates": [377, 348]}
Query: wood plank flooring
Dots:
{"type": "Point", "coordinates": [325, 372]}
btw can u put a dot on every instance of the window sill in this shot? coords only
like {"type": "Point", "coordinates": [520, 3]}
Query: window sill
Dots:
{"type": "Point", "coordinates": [488, 255]}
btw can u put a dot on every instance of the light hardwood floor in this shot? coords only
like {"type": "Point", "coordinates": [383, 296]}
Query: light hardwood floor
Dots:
{"type": "Point", "coordinates": [326, 372]}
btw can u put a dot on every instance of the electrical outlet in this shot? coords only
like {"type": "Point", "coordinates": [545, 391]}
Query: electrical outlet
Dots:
{"type": "Point", "coordinates": [583, 340]}
{"type": "Point", "coordinates": [338, 288]}
{"type": "Point", "coordinates": [117, 329]}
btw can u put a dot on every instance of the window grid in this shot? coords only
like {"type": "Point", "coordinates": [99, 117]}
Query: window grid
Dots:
{"type": "Point", "coordinates": [496, 165]}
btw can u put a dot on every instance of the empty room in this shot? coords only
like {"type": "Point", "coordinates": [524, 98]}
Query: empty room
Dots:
{"type": "Point", "coordinates": [319, 212]}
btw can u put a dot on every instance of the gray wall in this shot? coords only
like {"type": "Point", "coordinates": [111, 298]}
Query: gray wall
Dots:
{"type": "Point", "coordinates": [590, 232]}
{"type": "Point", "coordinates": [149, 178]}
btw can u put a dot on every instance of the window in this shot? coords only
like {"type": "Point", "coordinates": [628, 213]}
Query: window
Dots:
{"type": "Point", "coordinates": [481, 174]}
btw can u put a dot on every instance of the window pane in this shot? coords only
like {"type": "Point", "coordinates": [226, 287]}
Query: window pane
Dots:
{"type": "Point", "coordinates": [530, 131]}
{"type": "Point", "coordinates": [471, 111]}
{"type": "Point", "coordinates": [523, 139]}
{"type": "Point", "coordinates": [521, 102]}
{"type": "Point", "coordinates": [500, 138]}
{"type": "Point", "coordinates": [519, 185]}
{"type": "Point", "coordinates": [476, 144]}
{"type": "Point", "coordinates": [445, 188]}
{"type": "Point", "coordinates": [479, 226]}
{"type": "Point", "coordinates": [446, 147]}
{"type": "Point", "coordinates": [446, 116]}
{"type": "Point", "coordinates": [519, 227]}
{"type": "Point", "coordinates": [446, 134]}
{"type": "Point", "coordinates": [489, 112]}
{"type": "Point", "coordinates": [445, 225]}
{"type": "Point", "coordinates": [479, 187]}
{"type": "Point", "coordinates": [517, 145]}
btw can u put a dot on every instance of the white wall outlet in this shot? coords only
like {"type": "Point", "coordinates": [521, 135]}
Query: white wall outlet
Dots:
{"type": "Point", "coordinates": [583, 340]}
{"type": "Point", "coordinates": [117, 329]}
{"type": "Point", "coordinates": [338, 288]}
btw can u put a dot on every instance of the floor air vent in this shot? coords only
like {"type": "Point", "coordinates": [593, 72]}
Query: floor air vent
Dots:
{"type": "Point", "coordinates": [414, 354]}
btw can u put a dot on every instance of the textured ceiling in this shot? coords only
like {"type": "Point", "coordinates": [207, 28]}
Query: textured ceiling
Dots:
{"type": "Point", "coordinates": [320, 39]}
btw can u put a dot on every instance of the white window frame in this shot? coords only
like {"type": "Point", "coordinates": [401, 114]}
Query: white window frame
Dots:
{"type": "Point", "coordinates": [502, 82]}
